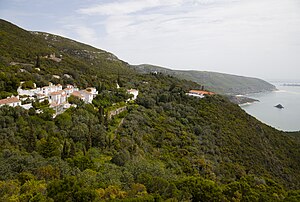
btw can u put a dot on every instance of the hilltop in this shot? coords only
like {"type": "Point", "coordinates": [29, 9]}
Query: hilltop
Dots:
{"type": "Point", "coordinates": [217, 82]}
{"type": "Point", "coordinates": [166, 145]}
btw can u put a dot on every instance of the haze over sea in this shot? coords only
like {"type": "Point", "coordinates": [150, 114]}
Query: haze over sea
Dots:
{"type": "Point", "coordinates": [286, 119]}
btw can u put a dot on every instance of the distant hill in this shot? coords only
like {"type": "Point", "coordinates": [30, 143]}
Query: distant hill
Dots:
{"type": "Point", "coordinates": [217, 82]}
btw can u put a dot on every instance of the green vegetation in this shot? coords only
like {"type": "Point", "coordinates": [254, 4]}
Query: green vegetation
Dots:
{"type": "Point", "coordinates": [213, 81]}
{"type": "Point", "coordinates": [165, 146]}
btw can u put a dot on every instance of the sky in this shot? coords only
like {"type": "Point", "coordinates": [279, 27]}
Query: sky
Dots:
{"type": "Point", "coordinates": [257, 38]}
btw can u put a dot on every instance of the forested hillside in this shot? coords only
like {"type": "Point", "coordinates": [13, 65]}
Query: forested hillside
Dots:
{"type": "Point", "coordinates": [165, 146]}
{"type": "Point", "coordinates": [216, 82]}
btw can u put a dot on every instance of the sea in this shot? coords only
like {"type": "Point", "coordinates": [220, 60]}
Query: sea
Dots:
{"type": "Point", "coordinates": [286, 119]}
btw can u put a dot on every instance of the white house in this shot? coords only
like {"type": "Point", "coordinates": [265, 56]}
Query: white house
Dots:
{"type": "Point", "coordinates": [73, 87]}
{"type": "Point", "coordinates": [27, 106]}
{"type": "Point", "coordinates": [69, 91]}
{"type": "Point", "coordinates": [133, 92]}
{"type": "Point", "coordinates": [58, 97]}
{"type": "Point", "coordinates": [41, 97]}
{"type": "Point", "coordinates": [46, 90]}
{"type": "Point", "coordinates": [10, 101]}
{"type": "Point", "coordinates": [88, 96]}
{"type": "Point", "coordinates": [93, 91]}
{"type": "Point", "coordinates": [199, 93]}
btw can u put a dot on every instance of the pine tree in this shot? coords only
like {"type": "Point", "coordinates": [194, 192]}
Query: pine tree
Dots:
{"type": "Point", "coordinates": [72, 149]}
{"type": "Point", "coordinates": [65, 151]}
{"type": "Point", "coordinates": [37, 62]}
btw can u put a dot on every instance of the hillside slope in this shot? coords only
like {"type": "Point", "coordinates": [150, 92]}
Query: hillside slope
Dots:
{"type": "Point", "coordinates": [81, 64]}
{"type": "Point", "coordinates": [166, 145]}
{"type": "Point", "coordinates": [217, 82]}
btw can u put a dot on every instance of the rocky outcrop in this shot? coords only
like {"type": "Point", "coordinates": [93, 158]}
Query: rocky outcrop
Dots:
{"type": "Point", "coordinates": [279, 106]}
{"type": "Point", "coordinates": [241, 100]}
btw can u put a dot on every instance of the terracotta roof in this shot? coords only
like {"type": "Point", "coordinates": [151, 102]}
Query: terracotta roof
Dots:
{"type": "Point", "coordinates": [55, 93]}
{"type": "Point", "coordinates": [77, 94]}
{"type": "Point", "coordinates": [9, 100]}
{"type": "Point", "coordinates": [87, 92]}
{"type": "Point", "coordinates": [203, 92]}
{"type": "Point", "coordinates": [60, 92]}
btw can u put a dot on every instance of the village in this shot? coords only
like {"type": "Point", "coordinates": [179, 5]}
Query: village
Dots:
{"type": "Point", "coordinates": [56, 95]}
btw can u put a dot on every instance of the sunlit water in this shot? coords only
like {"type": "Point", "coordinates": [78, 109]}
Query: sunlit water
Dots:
{"type": "Point", "coordinates": [287, 119]}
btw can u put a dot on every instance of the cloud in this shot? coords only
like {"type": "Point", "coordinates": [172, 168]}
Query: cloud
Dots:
{"type": "Point", "coordinates": [233, 36]}
{"type": "Point", "coordinates": [127, 7]}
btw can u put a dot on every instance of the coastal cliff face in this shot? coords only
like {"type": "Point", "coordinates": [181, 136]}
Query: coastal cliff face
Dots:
{"type": "Point", "coordinates": [216, 82]}
{"type": "Point", "coordinates": [241, 99]}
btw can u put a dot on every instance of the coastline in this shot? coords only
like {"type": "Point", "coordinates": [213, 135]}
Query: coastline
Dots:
{"type": "Point", "coordinates": [282, 119]}
{"type": "Point", "coordinates": [241, 100]}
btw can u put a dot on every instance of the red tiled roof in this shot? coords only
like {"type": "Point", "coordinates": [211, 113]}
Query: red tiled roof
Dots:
{"type": "Point", "coordinates": [87, 92]}
{"type": "Point", "coordinates": [77, 94]}
{"type": "Point", "coordinates": [9, 100]}
{"type": "Point", "coordinates": [55, 93]}
{"type": "Point", "coordinates": [203, 92]}
{"type": "Point", "coordinates": [60, 92]}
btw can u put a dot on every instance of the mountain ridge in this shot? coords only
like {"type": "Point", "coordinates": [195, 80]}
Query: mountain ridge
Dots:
{"type": "Point", "coordinates": [218, 82]}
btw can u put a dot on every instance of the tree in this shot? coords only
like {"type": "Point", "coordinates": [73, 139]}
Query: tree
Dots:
{"type": "Point", "coordinates": [66, 150]}
{"type": "Point", "coordinates": [37, 61]}
{"type": "Point", "coordinates": [70, 189]}
{"type": "Point", "coordinates": [199, 189]}
{"type": "Point", "coordinates": [49, 147]}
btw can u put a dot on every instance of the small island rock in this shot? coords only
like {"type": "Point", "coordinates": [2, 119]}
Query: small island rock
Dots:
{"type": "Point", "coordinates": [279, 106]}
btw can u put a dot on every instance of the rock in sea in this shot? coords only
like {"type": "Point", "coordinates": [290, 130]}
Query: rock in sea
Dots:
{"type": "Point", "coordinates": [279, 106]}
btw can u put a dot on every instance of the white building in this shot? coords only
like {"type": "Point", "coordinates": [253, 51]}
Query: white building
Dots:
{"type": "Point", "coordinates": [10, 101]}
{"type": "Point", "coordinates": [88, 96]}
{"type": "Point", "coordinates": [199, 93]}
{"type": "Point", "coordinates": [46, 90]}
{"type": "Point", "coordinates": [93, 91]}
{"type": "Point", "coordinates": [59, 97]}
{"type": "Point", "coordinates": [27, 106]}
{"type": "Point", "coordinates": [69, 91]}
{"type": "Point", "coordinates": [133, 92]}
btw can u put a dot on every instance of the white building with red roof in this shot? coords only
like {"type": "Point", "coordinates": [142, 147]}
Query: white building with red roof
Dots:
{"type": "Point", "coordinates": [10, 101]}
{"type": "Point", "coordinates": [199, 93]}
{"type": "Point", "coordinates": [55, 94]}
{"type": "Point", "coordinates": [88, 96]}
{"type": "Point", "coordinates": [58, 97]}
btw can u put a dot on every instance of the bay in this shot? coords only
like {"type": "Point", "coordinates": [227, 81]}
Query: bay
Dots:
{"type": "Point", "coordinates": [286, 119]}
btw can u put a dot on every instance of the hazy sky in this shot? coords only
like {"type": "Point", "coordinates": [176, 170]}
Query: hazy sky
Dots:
{"type": "Point", "coordinates": [259, 38]}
